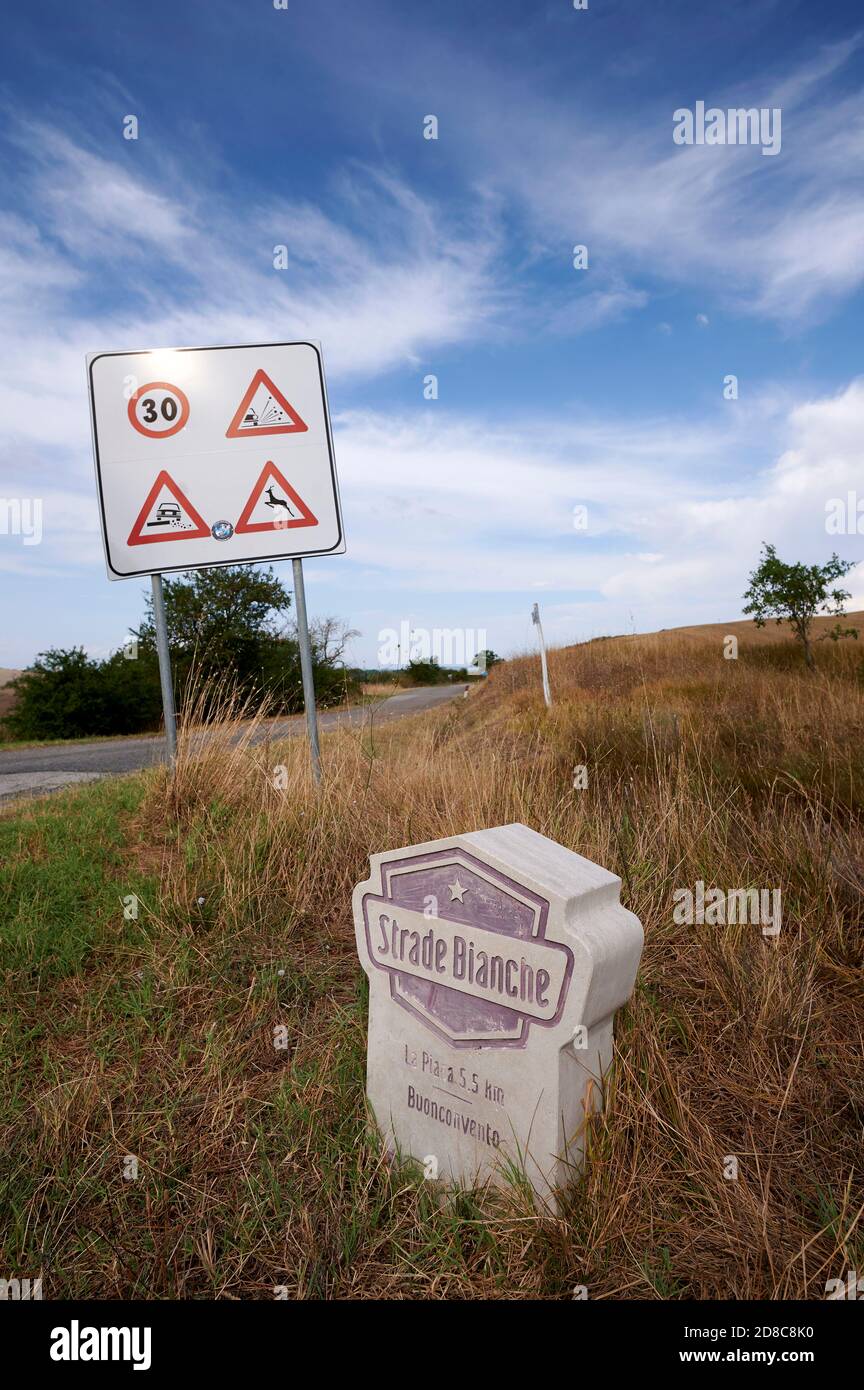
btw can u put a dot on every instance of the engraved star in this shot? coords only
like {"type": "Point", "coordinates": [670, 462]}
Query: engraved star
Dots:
{"type": "Point", "coordinates": [456, 891]}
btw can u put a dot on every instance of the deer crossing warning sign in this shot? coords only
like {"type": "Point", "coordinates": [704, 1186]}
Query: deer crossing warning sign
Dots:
{"type": "Point", "coordinates": [213, 456]}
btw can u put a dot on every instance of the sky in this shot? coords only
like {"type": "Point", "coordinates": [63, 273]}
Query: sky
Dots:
{"type": "Point", "coordinates": [586, 450]}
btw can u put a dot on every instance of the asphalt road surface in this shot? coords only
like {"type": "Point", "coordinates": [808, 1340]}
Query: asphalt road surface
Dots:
{"type": "Point", "coordinates": [58, 765]}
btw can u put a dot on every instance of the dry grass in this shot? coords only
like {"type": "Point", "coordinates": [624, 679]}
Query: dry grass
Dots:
{"type": "Point", "coordinates": [257, 1165]}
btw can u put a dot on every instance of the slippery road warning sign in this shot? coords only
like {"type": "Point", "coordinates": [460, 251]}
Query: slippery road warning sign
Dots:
{"type": "Point", "coordinates": [170, 467]}
{"type": "Point", "coordinates": [166, 516]}
{"type": "Point", "coordinates": [273, 503]}
{"type": "Point", "coordinates": [264, 410]}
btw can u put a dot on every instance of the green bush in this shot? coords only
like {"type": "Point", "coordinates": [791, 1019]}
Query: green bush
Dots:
{"type": "Point", "coordinates": [221, 626]}
{"type": "Point", "coordinates": [61, 691]}
{"type": "Point", "coordinates": [425, 673]}
{"type": "Point", "coordinates": [282, 679]}
{"type": "Point", "coordinates": [66, 694]}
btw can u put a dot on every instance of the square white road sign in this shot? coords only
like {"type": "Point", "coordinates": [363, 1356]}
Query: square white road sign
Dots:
{"type": "Point", "coordinates": [213, 456]}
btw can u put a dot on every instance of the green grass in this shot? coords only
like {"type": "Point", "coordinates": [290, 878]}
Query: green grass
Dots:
{"type": "Point", "coordinates": [65, 873]}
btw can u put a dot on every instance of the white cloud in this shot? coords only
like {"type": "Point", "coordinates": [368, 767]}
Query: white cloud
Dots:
{"type": "Point", "coordinates": [782, 237]}
{"type": "Point", "coordinates": [106, 254]}
{"type": "Point", "coordinates": [453, 504]}
{"type": "Point", "coordinates": [463, 512]}
{"type": "Point", "coordinates": [468, 506]}
{"type": "Point", "coordinates": [594, 308]}
{"type": "Point", "coordinates": [379, 277]}
{"type": "Point", "coordinates": [784, 505]}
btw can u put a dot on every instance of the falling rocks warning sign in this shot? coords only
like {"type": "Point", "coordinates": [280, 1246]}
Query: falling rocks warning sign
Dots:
{"type": "Point", "coordinates": [264, 410]}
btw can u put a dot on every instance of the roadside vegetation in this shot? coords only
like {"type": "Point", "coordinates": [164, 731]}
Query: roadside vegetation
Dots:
{"type": "Point", "coordinates": [152, 1037]}
{"type": "Point", "coordinates": [425, 671]}
{"type": "Point", "coordinates": [233, 618]}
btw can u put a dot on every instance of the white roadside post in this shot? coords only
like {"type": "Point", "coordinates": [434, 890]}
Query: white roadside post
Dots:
{"type": "Point", "coordinates": [496, 961]}
{"type": "Point", "coordinates": [535, 618]}
{"type": "Point", "coordinates": [215, 456]}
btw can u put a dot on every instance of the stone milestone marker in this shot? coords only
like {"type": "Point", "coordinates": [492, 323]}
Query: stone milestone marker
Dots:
{"type": "Point", "coordinates": [496, 961]}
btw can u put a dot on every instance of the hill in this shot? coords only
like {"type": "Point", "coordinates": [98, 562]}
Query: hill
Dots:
{"type": "Point", "coordinates": [749, 634]}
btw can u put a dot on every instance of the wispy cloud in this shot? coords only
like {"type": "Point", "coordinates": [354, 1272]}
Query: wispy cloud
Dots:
{"type": "Point", "coordinates": [145, 247]}
{"type": "Point", "coordinates": [780, 238]}
{"type": "Point", "coordinates": [104, 254]}
{"type": "Point", "coordinates": [464, 504]}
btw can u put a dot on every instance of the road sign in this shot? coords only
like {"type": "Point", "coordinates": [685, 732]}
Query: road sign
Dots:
{"type": "Point", "coordinates": [158, 409]}
{"type": "Point", "coordinates": [166, 516]}
{"type": "Point", "coordinates": [274, 502]}
{"type": "Point", "coordinates": [213, 456]}
{"type": "Point", "coordinates": [264, 410]}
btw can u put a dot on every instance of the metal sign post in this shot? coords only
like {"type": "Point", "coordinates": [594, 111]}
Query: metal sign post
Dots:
{"type": "Point", "coordinates": [164, 666]}
{"type": "Point", "coordinates": [306, 669]}
{"type": "Point", "coordinates": [215, 456]}
{"type": "Point", "coordinates": [547, 693]}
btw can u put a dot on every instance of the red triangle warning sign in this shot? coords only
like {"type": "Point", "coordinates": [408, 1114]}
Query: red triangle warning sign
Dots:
{"type": "Point", "coordinates": [264, 410]}
{"type": "Point", "coordinates": [167, 515]}
{"type": "Point", "coordinates": [273, 505]}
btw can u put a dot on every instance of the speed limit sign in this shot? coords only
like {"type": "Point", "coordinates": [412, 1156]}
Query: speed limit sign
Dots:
{"type": "Point", "coordinates": [158, 409]}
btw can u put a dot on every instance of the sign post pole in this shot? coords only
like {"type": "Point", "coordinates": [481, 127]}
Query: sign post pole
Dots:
{"type": "Point", "coordinates": [547, 693]}
{"type": "Point", "coordinates": [306, 669]}
{"type": "Point", "coordinates": [164, 667]}
{"type": "Point", "coordinates": [223, 456]}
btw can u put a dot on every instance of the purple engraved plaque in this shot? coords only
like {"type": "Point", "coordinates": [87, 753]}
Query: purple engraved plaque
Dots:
{"type": "Point", "coordinates": [467, 893]}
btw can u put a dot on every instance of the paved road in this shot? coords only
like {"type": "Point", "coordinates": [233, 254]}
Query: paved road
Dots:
{"type": "Point", "coordinates": [47, 769]}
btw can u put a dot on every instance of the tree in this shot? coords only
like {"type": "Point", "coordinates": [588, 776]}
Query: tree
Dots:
{"type": "Point", "coordinates": [329, 637]}
{"type": "Point", "coordinates": [131, 691]}
{"type": "Point", "coordinates": [223, 624]}
{"type": "Point", "coordinates": [282, 676]}
{"type": "Point", "coordinates": [796, 593]}
{"type": "Point", "coordinates": [220, 620]}
{"type": "Point", "coordinates": [424, 673]}
{"type": "Point", "coordinates": [484, 661]}
{"type": "Point", "coordinates": [65, 694]}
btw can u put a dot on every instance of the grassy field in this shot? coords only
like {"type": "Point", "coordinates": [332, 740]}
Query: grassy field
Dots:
{"type": "Point", "coordinates": [150, 1037]}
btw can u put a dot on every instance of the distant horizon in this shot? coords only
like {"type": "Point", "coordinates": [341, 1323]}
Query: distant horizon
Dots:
{"type": "Point", "coordinates": [852, 616]}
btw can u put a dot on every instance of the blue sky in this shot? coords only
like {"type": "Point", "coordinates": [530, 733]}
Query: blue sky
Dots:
{"type": "Point", "coordinates": [558, 387]}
